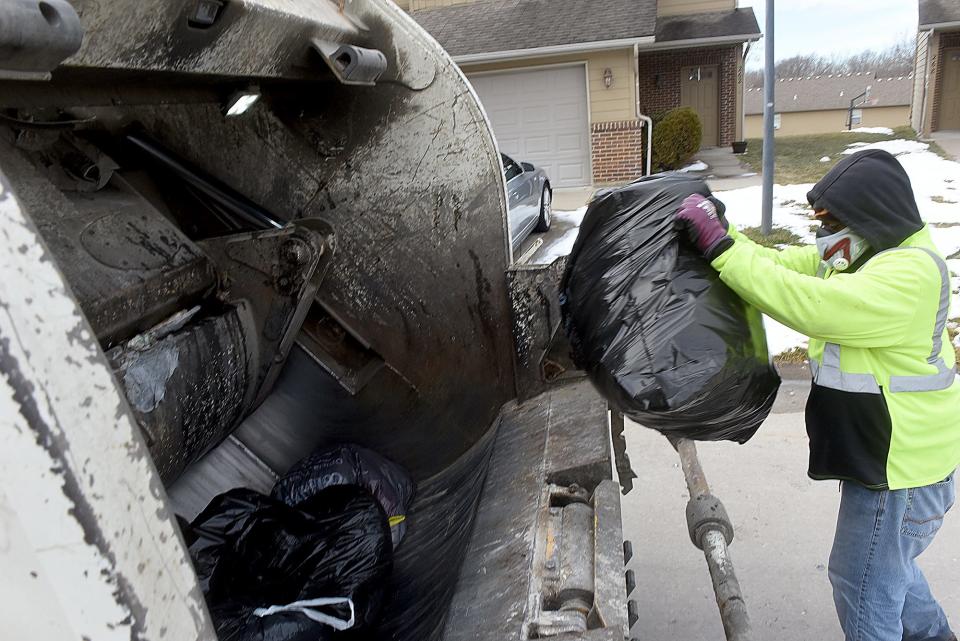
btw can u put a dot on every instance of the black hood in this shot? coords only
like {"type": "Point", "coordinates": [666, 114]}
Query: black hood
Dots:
{"type": "Point", "coordinates": [870, 193]}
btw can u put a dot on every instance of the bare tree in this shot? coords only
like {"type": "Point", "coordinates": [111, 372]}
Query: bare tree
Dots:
{"type": "Point", "coordinates": [895, 60]}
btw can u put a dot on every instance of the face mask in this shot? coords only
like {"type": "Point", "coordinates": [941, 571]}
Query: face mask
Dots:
{"type": "Point", "coordinates": [840, 249]}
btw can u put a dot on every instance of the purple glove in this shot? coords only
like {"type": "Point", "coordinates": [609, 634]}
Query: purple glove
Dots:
{"type": "Point", "coordinates": [698, 217]}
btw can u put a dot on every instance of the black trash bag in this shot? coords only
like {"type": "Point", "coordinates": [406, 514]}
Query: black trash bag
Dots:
{"type": "Point", "coordinates": [659, 335]}
{"type": "Point", "coordinates": [351, 465]}
{"type": "Point", "coordinates": [255, 555]}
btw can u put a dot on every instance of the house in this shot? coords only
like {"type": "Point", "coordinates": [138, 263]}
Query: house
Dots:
{"type": "Point", "coordinates": [822, 104]}
{"type": "Point", "coordinates": [936, 89]}
{"type": "Point", "coordinates": [565, 82]}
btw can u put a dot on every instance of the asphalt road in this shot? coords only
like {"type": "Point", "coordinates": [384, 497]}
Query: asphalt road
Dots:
{"type": "Point", "coordinates": [783, 531]}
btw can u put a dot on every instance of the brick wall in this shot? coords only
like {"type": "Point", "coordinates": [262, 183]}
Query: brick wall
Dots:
{"type": "Point", "coordinates": [946, 40]}
{"type": "Point", "coordinates": [660, 82]}
{"type": "Point", "coordinates": [617, 151]}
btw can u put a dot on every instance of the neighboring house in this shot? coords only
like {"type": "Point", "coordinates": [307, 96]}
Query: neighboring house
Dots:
{"type": "Point", "coordinates": [821, 104]}
{"type": "Point", "coordinates": [565, 82]}
{"type": "Point", "coordinates": [936, 90]}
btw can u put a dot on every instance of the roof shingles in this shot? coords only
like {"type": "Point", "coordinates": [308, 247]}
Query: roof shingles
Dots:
{"type": "Point", "coordinates": [820, 93]}
{"type": "Point", "coordinates": [507, 25]}
{"type": "Point", "coordinates": [739, 22]}
{"type": "Point", "coordinates": [939, 12]}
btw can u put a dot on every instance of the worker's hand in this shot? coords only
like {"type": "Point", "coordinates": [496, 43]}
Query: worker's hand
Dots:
{"type": "Point", "coordinates": [707, 230]}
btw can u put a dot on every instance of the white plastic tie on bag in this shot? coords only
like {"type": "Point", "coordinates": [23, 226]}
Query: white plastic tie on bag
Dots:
{"type": "Point", "coordinates": [306, 609]}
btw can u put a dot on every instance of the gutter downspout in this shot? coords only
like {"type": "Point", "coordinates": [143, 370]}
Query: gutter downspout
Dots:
{"type": "Point", "coordinates": [636, 105]}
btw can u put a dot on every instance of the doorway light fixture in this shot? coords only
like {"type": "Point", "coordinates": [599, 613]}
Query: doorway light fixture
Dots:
{"type": "Point", "coordinates": [608, 77]}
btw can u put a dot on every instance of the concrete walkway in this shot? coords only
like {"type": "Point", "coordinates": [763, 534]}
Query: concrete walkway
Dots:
{"type": "Point", "coordinates": [783, 523]}
{"type": "Point", "coordinates": [949, 141]}
{"type": "Point", "coordinates": [724, 170]}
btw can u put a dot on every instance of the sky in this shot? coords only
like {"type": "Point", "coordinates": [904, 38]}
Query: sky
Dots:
{"type": "Point", "coordinates": [828, 27]}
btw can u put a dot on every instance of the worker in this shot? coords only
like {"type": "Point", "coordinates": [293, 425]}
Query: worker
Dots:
{"type": "Point", "coordinates": [883, 415]}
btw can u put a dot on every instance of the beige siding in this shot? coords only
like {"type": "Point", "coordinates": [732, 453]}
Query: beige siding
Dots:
{"type": "Point", "coordinates": [606, 105]}
{"type": "Point", "coordinates": [403, 4]}
{"type": "Point", "coordinates": [677, 7]}
{"type": "Point", "coordinates": [828, 122]}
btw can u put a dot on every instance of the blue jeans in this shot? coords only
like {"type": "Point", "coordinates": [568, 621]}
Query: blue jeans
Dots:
{"type": "Point", "coordinates": [879, 591]}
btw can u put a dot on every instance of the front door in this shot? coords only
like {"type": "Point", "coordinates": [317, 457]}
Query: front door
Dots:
{"type": "Point", "coordinates": [699, 90]}
{"type": "Point", "coordinates": [950, 91]}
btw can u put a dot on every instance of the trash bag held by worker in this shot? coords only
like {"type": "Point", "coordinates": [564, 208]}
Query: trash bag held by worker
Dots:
{"type": "Point", "coordinates": [351, 465]}
{"type": "Point", "coordinates": [662, 338]}
{"type": "Point", "coordinates": [271, 572]}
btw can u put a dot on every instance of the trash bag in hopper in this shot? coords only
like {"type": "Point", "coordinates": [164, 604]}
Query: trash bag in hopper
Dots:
{"type": "Point", "coordinates": [351, 465]}
{"type": "Point", "coordinates": [271, 572]}
{"type": "Point", "coordinates": [658, 333]}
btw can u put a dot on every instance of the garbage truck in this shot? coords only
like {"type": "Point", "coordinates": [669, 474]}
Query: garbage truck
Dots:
{"type": "Point", "coordinates": [234, 231]}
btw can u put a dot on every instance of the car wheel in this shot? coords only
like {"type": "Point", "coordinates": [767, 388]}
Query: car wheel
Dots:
{"type": "Point", "coordinates": [546, 211]}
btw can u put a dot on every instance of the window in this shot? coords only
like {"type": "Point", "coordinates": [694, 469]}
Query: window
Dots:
{"type": "Point", "coordinates": [510, 169]}
{"type": "Point", "coordinates": [856, 116]}
{"type": "Point", "coordinates": [776, 121]}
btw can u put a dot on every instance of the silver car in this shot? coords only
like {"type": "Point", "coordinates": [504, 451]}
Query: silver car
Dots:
{"type": "Point", "coordinates": [529, 199]}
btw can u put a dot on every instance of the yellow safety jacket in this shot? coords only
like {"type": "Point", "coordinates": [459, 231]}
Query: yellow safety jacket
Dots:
{"type": "Point", "coordinates": [884, 408]}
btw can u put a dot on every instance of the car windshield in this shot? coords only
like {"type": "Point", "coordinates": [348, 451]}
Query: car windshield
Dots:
{"type": "Point", "coordinates": [510, 168]}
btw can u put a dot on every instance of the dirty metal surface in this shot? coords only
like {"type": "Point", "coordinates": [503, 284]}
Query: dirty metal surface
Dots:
{"type": "Point", "coordinates": [408, 178]}
{"type": "Point", "coordinates": [187, 389]}
{"type": "Point", "coordinates": [272, 276]}
{"type": "Point", "coordinates": [99, 554]}
{"type": "Point", "coordinates": [563, 435]}
{"type": "Point", "coordinates": [263, 38]}
{"type": "Point", "coordinates": [127, 264]}
{"type": "Point", "coordinates": [535, 310]}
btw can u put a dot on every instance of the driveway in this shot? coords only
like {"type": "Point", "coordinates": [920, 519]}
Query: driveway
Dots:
{"type": "Point", "coordinates": [783, 531]}
{"type": "Point", "coordinates": [949, 141]}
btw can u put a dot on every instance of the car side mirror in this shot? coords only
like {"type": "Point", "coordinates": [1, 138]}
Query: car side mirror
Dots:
{"type": "Point", "coordinates": [527, 166]}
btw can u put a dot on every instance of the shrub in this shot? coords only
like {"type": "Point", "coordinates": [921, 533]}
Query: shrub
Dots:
{"type": "Point", "coordinates": [676, 138]}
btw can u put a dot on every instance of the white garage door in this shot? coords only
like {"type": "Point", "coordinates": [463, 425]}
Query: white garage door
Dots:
{"type": "Point", "coordinates": [541, 117]}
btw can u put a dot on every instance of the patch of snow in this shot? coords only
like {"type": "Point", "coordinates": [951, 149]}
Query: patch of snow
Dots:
{"type": "Point", "coordinates": [954, 267]}
{"type": "Point", "coordinates": [563, 245]}
{"type": "Point", "coordinates": [697, 166]}
{"type": "Point", "coordinates": [895, 147]}
{"type": "Point", "coordinates": [790, 208]}
{"type": "Point", "coordinates": [947, 239]}
{"type": "Point", "coordinates": [781, 338]}
{"type": "Point", "coordinates": [825, 159]}
{"type": "Point", "coordinates": [886, 131]}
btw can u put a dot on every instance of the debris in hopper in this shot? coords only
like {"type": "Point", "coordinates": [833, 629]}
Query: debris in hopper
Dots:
{"type": "Point", "coordinates": [272, 572]}
{"type": "Point", "coordinates": [351, 465]}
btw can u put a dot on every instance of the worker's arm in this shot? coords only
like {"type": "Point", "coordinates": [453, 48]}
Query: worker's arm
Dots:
{"type": "Point", "coordinates": [803, 260]}
{"type": "Point", "coordinates": [873, 307]}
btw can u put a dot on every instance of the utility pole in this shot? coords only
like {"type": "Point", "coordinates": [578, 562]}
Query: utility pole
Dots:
{"type": "Point", "coordinates": [766, 222]}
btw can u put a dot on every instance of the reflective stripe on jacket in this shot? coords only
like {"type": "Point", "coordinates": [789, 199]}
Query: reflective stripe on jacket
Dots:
{"type": "Point", "coordinates": [884, 407]}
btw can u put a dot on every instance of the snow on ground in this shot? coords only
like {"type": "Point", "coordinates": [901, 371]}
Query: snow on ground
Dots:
{"type": "Point", "coordinates": [936, 185]}
{"type": "Point", "coordinates": [895, 147]}
{"type": "Point", "coordinates": [562, 245]}
{"type": "Point", "coordinates": [697, 166]}
{"type": "Point", "coordinates": [790, 208]}
{"type": "Point", "coordinates": [781, 338]}
{"type": "Point", "coordinates": [825, 159]}
{"type": "Point", "coordinates": [887, 131]}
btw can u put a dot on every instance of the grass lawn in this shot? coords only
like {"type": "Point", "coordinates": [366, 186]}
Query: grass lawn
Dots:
{"type": "Point", "coordinates": [779, 236]}
{"type": "Point", "coordinates": [798, 157]}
